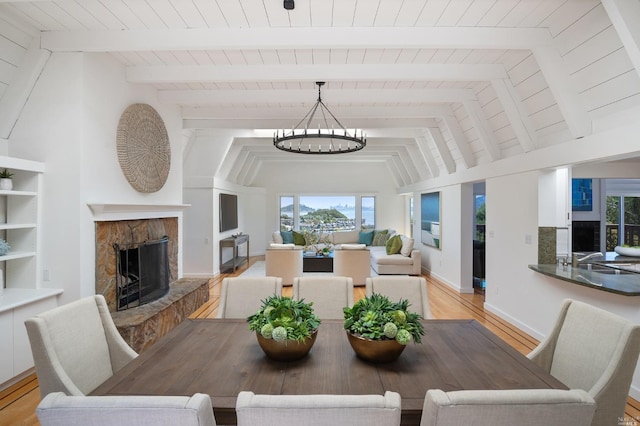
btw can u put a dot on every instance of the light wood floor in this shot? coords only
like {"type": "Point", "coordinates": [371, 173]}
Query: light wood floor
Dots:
{"type": "Point", "coordinates": [18, 402]}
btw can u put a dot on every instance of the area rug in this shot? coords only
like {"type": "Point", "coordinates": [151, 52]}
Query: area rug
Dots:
{"type": "Point", "coordinates": [258, 270]}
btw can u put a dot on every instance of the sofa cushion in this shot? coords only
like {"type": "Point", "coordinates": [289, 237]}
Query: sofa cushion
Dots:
{"type": "Point", "coordinates": [353, 246]}
{"type": "Point", "coordinates": [345, 237]}
{"type": "Point", "coordinates": [298, 239]}
{"type": "Point", "coordinates": [379, 255]}
{"type": "Point", "coordinates": [380, 237]}
{"type": "Point", "coordinates": [407, 246]}
{"type": "Point", "coordinates": [365, 237]}
{"type": "Point", "coordinates": [277, 237]}
{"type": "Point", "coordinates": [394, 244]}
{"type": "Point", "coordinates": [278, 246]}
{"type": "Point", "coordinates": [287, 237]}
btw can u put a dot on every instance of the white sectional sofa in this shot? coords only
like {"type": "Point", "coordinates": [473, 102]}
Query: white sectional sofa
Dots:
{"type": "Point", "coordinates": [406, 262]}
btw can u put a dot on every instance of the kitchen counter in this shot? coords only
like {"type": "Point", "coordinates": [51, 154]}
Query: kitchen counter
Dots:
{"type": "Point", "coordinates": [626, 283]}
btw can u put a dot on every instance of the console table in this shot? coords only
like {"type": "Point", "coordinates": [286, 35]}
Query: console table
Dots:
{"type": "Point", "coordinates": [236, 260]}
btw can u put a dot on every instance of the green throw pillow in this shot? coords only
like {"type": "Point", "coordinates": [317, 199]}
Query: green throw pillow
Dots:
{"type": "Point", "coordinates": [365, 237]}
{"type": "Point", "coordinates": [298, 239]}
{"type": "Point", "coordinates": [380, 237]}
{"type": "Point", "coordinates": [287, 237]}
{"type": "Point", "coordinates": [394, 245]}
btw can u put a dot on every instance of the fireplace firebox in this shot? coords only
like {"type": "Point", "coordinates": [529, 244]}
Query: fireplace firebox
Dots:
{"type": "Point", "coordinates": [142, 272]}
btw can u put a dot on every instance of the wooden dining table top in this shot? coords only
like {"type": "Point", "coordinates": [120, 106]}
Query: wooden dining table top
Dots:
{"type": "Point", "coordinates": [221, 357]}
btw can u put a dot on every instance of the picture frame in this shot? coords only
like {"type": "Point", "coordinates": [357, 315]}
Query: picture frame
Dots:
{"type": "Point", "coordinates": [430, 223]}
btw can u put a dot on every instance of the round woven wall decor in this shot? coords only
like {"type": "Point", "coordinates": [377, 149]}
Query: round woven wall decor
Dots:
{"type": "Point", "coordinates": [143, 148]}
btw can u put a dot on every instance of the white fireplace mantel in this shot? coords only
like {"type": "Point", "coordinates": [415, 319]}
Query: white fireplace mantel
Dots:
{"type": "Point", "coordinates": [115, 211]}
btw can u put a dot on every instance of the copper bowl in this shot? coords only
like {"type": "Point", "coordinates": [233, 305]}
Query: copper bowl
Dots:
{"type": "Point", "coordinates": [375, 350]}
{"type": "Point", "coordinates": [288, 350]}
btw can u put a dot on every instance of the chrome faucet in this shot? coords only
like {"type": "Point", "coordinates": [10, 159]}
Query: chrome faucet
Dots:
{"type": "Point", "coordinates": [575, 260]}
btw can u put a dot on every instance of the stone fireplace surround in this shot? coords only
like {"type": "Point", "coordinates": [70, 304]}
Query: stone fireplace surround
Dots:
{"type": "Point", "coordinates": [143, 325]}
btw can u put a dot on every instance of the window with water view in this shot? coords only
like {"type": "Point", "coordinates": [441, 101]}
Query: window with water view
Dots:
{"type": "Point", "coordinates": [327, 213]}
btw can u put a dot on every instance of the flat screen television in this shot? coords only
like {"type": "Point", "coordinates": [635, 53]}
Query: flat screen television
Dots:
{"type": "Point", "coordinates": [228, 212]}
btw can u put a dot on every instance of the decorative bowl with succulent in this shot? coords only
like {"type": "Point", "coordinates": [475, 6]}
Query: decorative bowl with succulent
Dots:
{"type": "Point", "coordinates": [286, 329]}
{"type": "Point", "coordinates": [378, 319]}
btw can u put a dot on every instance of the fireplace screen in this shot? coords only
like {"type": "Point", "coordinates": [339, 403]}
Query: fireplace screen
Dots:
{"type": "Point", "coordinates": [143, 272]}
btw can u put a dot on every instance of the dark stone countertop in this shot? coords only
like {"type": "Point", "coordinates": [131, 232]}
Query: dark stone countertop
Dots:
{"type": "Point", "coordinates": [626, 284]}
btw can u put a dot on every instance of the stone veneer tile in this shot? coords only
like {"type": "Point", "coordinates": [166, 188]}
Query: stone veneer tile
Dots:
{"type": "Point", "coordinates": [547, 245]}
{"type": "Point", "coordinates": [143, 326]}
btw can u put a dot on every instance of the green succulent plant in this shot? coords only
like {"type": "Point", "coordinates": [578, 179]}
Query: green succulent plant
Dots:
{"type": "Point", "coordinates": [378, 318]}
{"type": "Point", "coordinates": [282, 318]}
{"type": "Point", "coordinates": [6, 174]}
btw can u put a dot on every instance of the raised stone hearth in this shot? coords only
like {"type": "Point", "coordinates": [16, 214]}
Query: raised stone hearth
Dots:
{"type": "Point", "coordinates": [143, 326]}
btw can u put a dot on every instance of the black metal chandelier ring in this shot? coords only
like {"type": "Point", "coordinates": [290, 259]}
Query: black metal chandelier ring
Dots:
{"type": "Point", "coordinates": [322, 140]}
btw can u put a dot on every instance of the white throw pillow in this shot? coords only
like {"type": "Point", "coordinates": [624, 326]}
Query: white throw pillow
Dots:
{"type": "Point", "coordinates": [353, 246]}
{"type": "Point", "coordinates": [279, 246]}
{"type": "Point", "coordinates": [407, 246]}
{"type": "Point", "coordinates": [277, 237]}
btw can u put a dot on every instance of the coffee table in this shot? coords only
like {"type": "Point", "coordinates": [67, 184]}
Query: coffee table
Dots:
{"type": "Point", "coordinates": [312, 262]}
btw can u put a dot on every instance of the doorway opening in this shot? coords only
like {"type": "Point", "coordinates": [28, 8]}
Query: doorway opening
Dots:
{"type": "Point", "coordinates": [479, 224]}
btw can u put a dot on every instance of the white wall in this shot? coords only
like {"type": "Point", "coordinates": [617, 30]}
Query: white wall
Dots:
{"type": "Point", "coordinates": [70, 124]}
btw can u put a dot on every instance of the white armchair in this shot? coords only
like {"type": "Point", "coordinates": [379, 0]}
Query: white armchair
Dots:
{"type": "Point", "coordinates": [58, 409]}
{"type": "Point", "coordinates": [355, 264]}
{"type": "Point", "coordinates": [318, 410]}
{"type": "Point", "coordinates": [285, 263]}
{"type": "Point", "coordinates": [76, 347]}
{"type": "Point", "coordinates": [595, 350]}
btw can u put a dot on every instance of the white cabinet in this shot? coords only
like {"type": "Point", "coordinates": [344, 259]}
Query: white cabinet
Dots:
{"type": "Point", "coordinates": [21, 292]}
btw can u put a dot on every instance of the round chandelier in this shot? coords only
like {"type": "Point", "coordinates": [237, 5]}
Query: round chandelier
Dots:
{"type": "Point", "coordinates": [334, 138]}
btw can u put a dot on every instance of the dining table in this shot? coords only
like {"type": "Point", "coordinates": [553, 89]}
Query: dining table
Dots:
{"type": "Point", "coordinates": [221, 357]}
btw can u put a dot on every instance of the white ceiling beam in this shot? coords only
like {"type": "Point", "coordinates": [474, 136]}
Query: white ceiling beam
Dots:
{"type": "Point", "coordinates": [213, 97]}
{"type": "Point", "coordinates": [555, 72]}
{"type": "Point", "coordinates": [459, 139]}
{"type": "Point", "coordinates": [248, 123]}
{"type": "Point", "coordinates": [624, 16]}
{"type": "Point", "coordinates": [394, 173]}
{"type": "Point", "coordinates": [325, 72]}
{"type": "Point", "coordinates": [17, 93]}
{"type": "Point", "coordinates": [294, 114]}
{"type": "Point", "coordinates": [516, 113]}
{"type": "Point", "coordinates": [443, 150]}
{"type": "Point", "coordinates": [481, 125]}
{"type": "Point", "coordinates": [295, 38]}
{"type": "Point", "coordinates": [423, 147]}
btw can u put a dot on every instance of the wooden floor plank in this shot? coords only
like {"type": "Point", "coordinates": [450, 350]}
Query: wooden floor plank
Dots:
{"type": "Point", "coordinates": [18, 402]}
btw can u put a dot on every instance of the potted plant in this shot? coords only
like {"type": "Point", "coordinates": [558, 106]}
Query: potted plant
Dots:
{"type": "Point", "coordinates": [379, 329]}
{"type": "Point", "coordinates": [286, 329]}
{"type": "Point", "coordinates": [6, 182]}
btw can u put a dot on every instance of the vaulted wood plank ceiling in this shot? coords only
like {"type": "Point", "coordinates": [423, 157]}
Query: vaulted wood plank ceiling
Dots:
{"type": "Point", "coordinates": [438, 85]}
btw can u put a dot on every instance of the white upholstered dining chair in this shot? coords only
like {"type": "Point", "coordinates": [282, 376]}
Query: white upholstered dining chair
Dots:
{"type": "Point", "coordinates": [76, 347]}
{"type": "Point", "coordinates": [522, 407]}
{"type": "Point", "coordinates": [243, 296]}
{"type": "Point", "coordinates": [330, 294]}
{"type": "Point", "coordinates": [318, 410]}
{"type": "Point", "coordinates": [58, 409]}
{"type": "Point", "coordinates": [397, 287]}
{"type": "Point", "coordinates": [595, 350]}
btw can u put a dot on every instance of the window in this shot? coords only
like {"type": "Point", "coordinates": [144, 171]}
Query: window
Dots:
{"type": "Point", "coordinates": [368, 212]}
{"type": "Point", "coordinates": [622, 232]}
{"type": "Point", "coordinates": [286, 213]}
{"type": "Point", "coordinates": [327, 212]}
